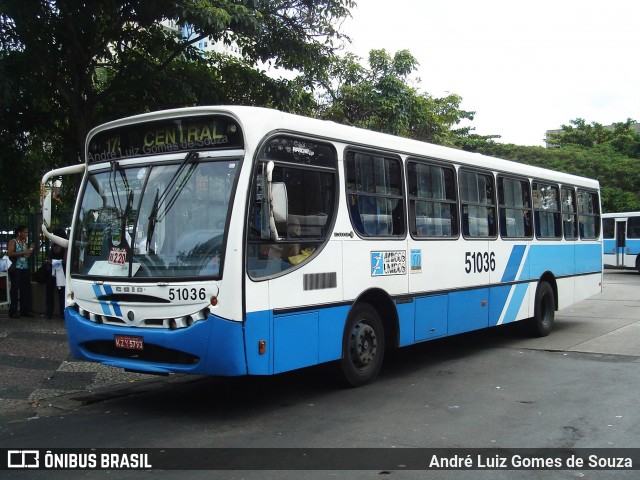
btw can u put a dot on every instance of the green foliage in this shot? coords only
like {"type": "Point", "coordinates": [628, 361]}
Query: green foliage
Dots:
{"type": "Point", "coordinates": [622, 136]}
{"type": "Point", "coordinates": [618, 174]}
{"type": "Point", "coordinates": [382, 98]}
{"type": "Point", "coordinates": [66, 66]}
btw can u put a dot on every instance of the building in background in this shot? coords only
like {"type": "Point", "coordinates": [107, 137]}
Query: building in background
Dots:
{"type": "Point", "coordinates": [206, 44]}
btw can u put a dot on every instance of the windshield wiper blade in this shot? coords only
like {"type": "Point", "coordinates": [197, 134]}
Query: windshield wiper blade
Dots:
{"type": "Point", "coordinates": [176, 194]}
{"type": "Point", "coordinates": [114, 196]}
{"type": "Point", "coordinates": [153, 216]}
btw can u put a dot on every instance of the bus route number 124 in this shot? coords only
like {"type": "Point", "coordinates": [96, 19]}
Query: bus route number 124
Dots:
{"type": "Point", "coordinates": [478, 262]}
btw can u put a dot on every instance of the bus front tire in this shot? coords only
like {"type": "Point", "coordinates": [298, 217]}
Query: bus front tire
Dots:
{"type": "Point", "coordinates": [541, 324]}
{"type": "Point", "coordinates": [363, 346]}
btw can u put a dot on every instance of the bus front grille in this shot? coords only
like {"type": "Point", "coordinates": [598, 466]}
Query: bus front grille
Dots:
{"type": "Point", "coordinates": [151, 353]}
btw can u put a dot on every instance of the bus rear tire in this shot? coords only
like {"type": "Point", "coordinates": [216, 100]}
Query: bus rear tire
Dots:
{"type": "Point", "coordinates": [363, 345]}
{"type": "Point", "coordinates": [541, 324]}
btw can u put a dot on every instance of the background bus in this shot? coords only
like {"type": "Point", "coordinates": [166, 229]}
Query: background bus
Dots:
{"type": "Point", "coordinates": [621, 239]}
{"type": "Point", "coordinates": [241, 240]}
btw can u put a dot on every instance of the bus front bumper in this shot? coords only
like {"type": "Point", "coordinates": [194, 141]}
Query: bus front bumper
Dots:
{"type": "Point", "coordinates": [214, 346]}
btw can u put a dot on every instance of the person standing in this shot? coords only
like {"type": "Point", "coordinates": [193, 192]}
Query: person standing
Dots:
{"type": "Point", "coordinates": [55, 283]}
{"type": "Point", "coordinates": [19, 253]}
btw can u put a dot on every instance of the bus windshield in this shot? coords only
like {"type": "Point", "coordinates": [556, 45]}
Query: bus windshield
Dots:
{"type": "Point", "coordinates": [154, 221]}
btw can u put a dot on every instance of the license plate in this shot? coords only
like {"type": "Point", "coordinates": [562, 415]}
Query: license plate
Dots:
{"type": "Point", "coordinates": [129, 342]}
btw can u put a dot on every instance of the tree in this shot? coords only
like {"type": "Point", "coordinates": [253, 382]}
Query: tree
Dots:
{"type": "Point", "coordinates": [67, 65]}
{"type": "Point", "coordinates": [382, 98]}
{"type": "Point", "coordinates": [622, 136]}
{"type": "Point", "coordinates": [618, 174]}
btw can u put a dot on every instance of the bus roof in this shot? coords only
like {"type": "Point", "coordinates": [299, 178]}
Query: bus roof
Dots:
{"type": "Point", "coordinates": [258, 121]}
{"type": "Point", "coordinates": [620, 214]}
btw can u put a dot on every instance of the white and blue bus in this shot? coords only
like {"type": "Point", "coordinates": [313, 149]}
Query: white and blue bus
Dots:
{"type": "Point", "coordinates": [246, 241]}
{"type": "Point", "coordinates": [621, 240]}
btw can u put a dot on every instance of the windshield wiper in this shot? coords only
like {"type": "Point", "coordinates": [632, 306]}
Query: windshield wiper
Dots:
{"type": "Point", "coordinates": [153, 216]}
{"type": "Point", "coordinates": [114, 196]}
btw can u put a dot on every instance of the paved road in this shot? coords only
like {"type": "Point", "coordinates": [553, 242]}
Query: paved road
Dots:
{"type": "Point", "coordinates": [38, 377]}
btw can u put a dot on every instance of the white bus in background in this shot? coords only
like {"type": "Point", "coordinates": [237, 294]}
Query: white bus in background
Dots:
{"type": "Point", "coordinates": [246, 241]}
{"type": "Point", "coordinates": [621, 240]}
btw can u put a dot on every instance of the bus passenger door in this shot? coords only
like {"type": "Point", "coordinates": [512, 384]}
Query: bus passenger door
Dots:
{"type": "Point", "coordinates": [621, 242]}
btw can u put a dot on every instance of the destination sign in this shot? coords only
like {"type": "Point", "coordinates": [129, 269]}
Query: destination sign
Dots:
{"type": "Point", "coordinates": [211, 132]}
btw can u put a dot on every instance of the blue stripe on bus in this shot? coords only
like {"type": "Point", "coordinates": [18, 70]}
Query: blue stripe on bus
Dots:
{"type": "Point", "coordinates": [631, 247]}
{"type": "Point", "coordinates": [114, 304]}
{"type": "Point", "coordinates": [519, 293]}
{"type": "Point", "coordinates": [498, 296]}
{"type": "Point", "coordinates": [106, 306]}
{"type": "Point", "coordinates": [513, 265]}
{"type": "Point", "coordinates": [563, 259]}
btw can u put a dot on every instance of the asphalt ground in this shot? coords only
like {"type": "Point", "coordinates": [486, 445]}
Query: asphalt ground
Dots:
{"type": "Point", "coordinates": [39, 378]}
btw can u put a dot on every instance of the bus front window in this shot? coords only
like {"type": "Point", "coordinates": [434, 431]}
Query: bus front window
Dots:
{"type": "Point", "coordinates": [154, 221]}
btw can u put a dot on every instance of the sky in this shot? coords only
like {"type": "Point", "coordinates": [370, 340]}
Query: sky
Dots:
{"type": "Point", "coordinates": [523, 66]}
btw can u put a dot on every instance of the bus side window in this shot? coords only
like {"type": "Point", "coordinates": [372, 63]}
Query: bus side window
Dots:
{"type": "Point", "coordinates": [432, 200]}
{"type": "Point", "coordinates": [478, 204]}
{"type": "Point", "coordinates": [633, 227]}
{"type": "Point", "coordinates": [546, 208]}
{"type": "Point", "coordinates": [375, 196]}
{"type": "Point", "coordinates": [588, 214]}
{"type": "Point", "coordinates": [515, 208]}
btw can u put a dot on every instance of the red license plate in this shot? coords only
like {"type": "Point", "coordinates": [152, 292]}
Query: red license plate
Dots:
{"type": "Point", "coordinates": [129, 342]}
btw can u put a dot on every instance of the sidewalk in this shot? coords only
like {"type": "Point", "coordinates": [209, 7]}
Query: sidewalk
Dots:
{"type": "Point", "coordinates": [39, 377]}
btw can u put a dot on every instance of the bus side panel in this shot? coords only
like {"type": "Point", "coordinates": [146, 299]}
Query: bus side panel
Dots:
{"type": "Point", "coordinates": [407, 313]}
{"type": "Point", "coordinates": [588, 258]}
{"type": "Point", "coordinates": [449, 265]}
{"type": "Point", "coordinates": [226, 349]}
{"type": "Point", "coordinates": [363, 269]}
{"type": "Point", "coordinates": [632, 250]}
{"type": "Point", "coordinates": [549, 257]}
{"type": "Point", "coordinates": [567, 292]}
{"type": "Point", "coordinates": [431, 317]}
{"type": "Point", "coordinates": [587, 286]}
{"type": "Point", "coordinates": [510, 291]}
{"type": "Point", "coordinates": [332, 322]}
{"type": "Point", "coordinates": [468, 310]}
{"type": "Point", "coordinates": [629, 260]}
{"type": "Point", "coordinates": [257, 329]}
{"type": "Point", "coordinates": [293, 340]}
{"type": "Point", "coordinates": [609, 252]}
{"type": "Point", "coordinates": [564, 260]}
{"type": "Point", "coordinates": [498, 298]}
{"type": "Point", "coordinates": [308, 338]}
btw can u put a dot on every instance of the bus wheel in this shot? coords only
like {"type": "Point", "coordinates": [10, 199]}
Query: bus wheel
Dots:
{"type": "Point", "coordinates": [362, 346]}
{"type": "Point", "coordinates": [542, 322]}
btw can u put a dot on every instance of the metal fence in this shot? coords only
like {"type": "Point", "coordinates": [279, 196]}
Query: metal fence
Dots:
{"type": "Point", "coordinates": [9, 222]}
